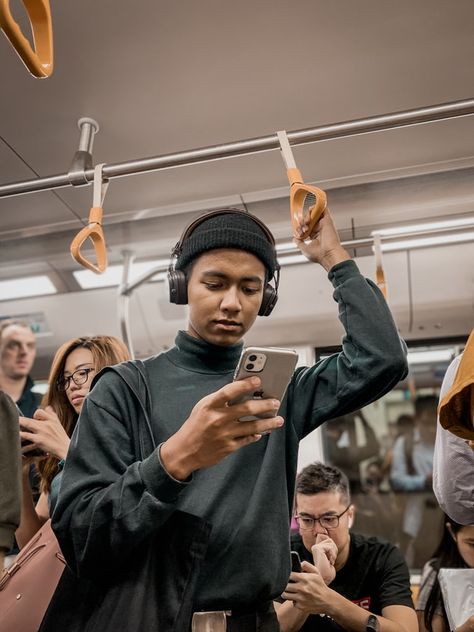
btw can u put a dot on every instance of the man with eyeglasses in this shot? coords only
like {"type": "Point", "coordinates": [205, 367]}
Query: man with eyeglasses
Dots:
{"type": "Point", "coordinates": [370, 588]}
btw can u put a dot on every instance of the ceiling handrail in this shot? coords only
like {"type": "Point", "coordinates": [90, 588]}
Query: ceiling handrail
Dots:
{"type": "Point", "coordinates": [38, 60]}
{"type": "Point", "coordinates": [355, 127]}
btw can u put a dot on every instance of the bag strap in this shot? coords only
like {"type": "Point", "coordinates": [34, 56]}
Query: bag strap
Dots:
{"type": "Point", "coordinates": [135, 375]}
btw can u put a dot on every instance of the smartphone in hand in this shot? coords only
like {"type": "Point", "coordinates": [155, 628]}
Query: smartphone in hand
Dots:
{"type": "Point", "coordinates": [273, 366]}
{"type": "Point", "coordinates": [295, 562]}
{"type": "Point", "coordinates": [24, 443]}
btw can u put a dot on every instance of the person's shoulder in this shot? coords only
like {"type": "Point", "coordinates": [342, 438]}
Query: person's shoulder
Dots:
{"type": "Point", "coordinates": [373, 545]}
{"type": "Point", "coordinates": [296, 544]}
{"type": "Point", "coordinates": [431, 566]}
{"type": "Point", "coordinates": [295, 541]}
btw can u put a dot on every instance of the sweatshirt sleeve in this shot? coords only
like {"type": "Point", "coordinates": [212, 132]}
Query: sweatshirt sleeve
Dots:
{"type": "Point", "coordinates": [109, 502]}
{"type": "Point", "coordinates": [10, 471]}
{"type": "Point", "coordinates": [372, 360]}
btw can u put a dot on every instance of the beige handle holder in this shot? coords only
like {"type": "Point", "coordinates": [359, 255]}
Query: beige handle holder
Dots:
{"type": "Point", "coordinates": [307, 203]}
{"type": "Point", "coordinates": [39, 60]}
{"type": "Point", "coordinates": [93, 230]}
{"type": "Point", "coordinates": [379, 272]}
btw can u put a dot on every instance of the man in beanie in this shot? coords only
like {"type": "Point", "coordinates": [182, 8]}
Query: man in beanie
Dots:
{"type": "Point", "coordinates": [215, 494]}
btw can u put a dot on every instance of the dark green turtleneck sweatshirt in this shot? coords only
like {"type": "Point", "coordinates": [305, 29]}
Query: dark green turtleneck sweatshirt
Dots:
{"type": "Point", "coordinates": [108, 501]}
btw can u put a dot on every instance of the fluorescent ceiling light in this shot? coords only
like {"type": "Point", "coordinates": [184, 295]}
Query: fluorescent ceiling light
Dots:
{"type": "Point", "coordinates": [113, 275]}
{"type": "Point", "coordinates": [464, 222]}
{"type": "Point", "coordinates": [292, 259]}
{"type": "Point", "coordinates": [433, 355]}
{"type": "Point", "coordinates": [287, 246]}
{"type": "Point", "coordinates": [424, 242]}
{"type": "Point", "coordinates": [26, 286]}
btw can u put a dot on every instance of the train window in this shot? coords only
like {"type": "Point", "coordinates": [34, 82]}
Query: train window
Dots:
{"type": "Point", "coordinates": [386, 450]}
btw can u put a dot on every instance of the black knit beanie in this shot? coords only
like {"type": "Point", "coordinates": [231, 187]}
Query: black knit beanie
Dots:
{"type": "Point", "coordinates": [235, 229]}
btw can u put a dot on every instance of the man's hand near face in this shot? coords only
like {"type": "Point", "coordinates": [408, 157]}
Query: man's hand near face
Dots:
{"type": "Point", "coordinates": [324, 553]}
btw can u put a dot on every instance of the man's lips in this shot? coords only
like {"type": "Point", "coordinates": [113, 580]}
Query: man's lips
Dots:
{"type": "Point", "coordinates": [228, 325]}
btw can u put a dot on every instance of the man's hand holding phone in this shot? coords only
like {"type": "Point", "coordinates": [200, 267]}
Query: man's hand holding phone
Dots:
{"type": "Point", "coordinates": [213, 430]}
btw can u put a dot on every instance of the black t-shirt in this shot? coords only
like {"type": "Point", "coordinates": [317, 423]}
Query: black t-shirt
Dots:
{"type": "Point", "coordinates": [374, 576]}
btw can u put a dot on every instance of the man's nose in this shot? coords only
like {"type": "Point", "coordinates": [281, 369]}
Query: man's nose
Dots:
{"type": "Point", "coordinates": [318, 529]}
{"type": "Point", "coordinates": [230, 300]}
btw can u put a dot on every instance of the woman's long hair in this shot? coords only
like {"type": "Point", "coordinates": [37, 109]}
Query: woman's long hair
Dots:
{"type": "Point", "coordinates": [106, 351]}
{"type": "Point", "coordinates": [446, 556]}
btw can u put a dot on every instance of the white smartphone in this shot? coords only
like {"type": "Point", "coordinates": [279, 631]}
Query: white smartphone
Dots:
{"type": "Point", "coordinates": [273, 366]}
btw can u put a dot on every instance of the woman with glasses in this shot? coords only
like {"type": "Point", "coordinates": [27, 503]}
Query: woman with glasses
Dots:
{"type": "Point", "coordinates": [46, 437]}
{"type": "Point", "coordinates": [455, 550]}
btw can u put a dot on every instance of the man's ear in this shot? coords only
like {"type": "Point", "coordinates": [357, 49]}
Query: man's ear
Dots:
{"type": "Point", "coordinates": [351, 516]}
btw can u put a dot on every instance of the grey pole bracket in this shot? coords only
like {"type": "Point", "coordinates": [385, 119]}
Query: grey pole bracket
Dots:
{"type": "Point", "coordinates": [82, 160]}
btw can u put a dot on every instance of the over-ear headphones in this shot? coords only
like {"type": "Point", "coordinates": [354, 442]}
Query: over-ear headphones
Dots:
{"type": "Point", "coordinates": [178, 285]}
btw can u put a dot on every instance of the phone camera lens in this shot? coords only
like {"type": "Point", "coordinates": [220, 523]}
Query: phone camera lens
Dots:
{"type": "Point", "coordinates": [249, 366]}
{"type": "Point", "coordinates": [252, 358]}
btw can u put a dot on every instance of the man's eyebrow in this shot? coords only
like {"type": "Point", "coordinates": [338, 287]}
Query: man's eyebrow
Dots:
{"type": "Point", "coordinates": [323, 515]}
{"type": "Point", "coordinates": [222, 275]}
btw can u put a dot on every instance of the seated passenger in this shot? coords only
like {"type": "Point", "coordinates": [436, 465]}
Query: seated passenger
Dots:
{"type": "Point", "coordinates": [455, 550]}
{"type": "Point", "coordinates": [10, 486]}
{"type": "Point", "coordinates": [74, 365]}
{"type": "Point", "coordinates": [371, 588]}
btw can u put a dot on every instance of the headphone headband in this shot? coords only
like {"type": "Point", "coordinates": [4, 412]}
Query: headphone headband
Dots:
{"type": "Point", "coordinates": [223, 211]}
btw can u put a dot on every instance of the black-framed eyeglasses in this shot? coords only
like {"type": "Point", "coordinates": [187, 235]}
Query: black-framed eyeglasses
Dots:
{"type": "Point", "coordinates": [327, 522]}
{"type": "Point", "coordinates": [79, 377]}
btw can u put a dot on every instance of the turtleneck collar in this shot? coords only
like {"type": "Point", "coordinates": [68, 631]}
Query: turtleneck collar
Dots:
{"type": "Point", "coordinates": [198, 355]}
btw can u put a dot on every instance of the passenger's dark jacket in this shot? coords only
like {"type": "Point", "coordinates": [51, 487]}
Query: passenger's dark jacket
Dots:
{"type": "Point", "coordinates": [111, 501]}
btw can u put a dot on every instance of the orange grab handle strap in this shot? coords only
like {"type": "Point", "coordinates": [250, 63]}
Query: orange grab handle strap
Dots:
{"type": "Point", "coordinates": [93, 231]}
{"type": "Point", "coordinates": [39, 61]}
{"type": "Point", "coordinates": [381, 283]}
{"type": "Point", "coordinates": [298, 192]}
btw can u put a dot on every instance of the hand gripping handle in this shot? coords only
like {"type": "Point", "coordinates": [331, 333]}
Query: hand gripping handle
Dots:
{"type": "Point", "coordinates": [298, 193]}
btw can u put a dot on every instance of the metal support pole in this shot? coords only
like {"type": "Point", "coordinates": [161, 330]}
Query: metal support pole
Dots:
{"type": "Point", "coordinates": [82, 160]}
{"type": "Point", "coordinates": [253, 145]}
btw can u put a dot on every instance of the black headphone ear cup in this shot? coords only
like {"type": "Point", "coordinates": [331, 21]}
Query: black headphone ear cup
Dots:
{"type": "Point", "coordinates": [178, 287]}
{"type": "Point", "coordinates": [270, 297]}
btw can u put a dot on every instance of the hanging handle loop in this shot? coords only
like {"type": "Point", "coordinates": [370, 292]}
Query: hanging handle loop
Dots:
{"type": "Point", "coordinates": [379, 272]}
{"type": "Point", "coordinates": [39, 60]}
{"type": "Point", "coordinates": [307, 203]}
{"type": "Point", "coordinates": [93, 230]}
